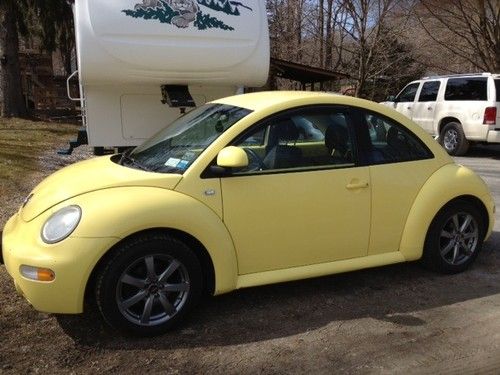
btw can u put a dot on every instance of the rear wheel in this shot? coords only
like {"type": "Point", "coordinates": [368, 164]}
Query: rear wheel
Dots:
{"type": "Point", "coordinates": [453, 139]}
{"type": "Point", "coordinates": [454, 238]}
{"type": "Point", "coordinates": [148, 285]}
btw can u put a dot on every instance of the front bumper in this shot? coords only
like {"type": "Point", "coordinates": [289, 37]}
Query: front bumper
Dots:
{"type": "Point", "coordinates": [72, 261]}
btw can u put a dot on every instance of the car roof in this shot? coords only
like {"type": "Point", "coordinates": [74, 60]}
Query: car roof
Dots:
{"type": "Point", "coordinates": [266, 99]}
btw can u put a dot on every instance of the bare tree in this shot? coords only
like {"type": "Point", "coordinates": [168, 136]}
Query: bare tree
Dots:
{"type": "Point", "coordinates": [11, 97]}
{"type": "Point", "coordinates": [469, 29]}
{"type": "Point", "coordinates": [286, 21]}
{"type": "Point", "coordinates": [366, 26]}
{"type": "Point", "coordinates": [361, 38]}
{"type": "Point", "coordinates": [50, 21]}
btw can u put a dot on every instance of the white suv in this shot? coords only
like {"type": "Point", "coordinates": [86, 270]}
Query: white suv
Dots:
{"type": "Point", "coordinates": [458, 109]}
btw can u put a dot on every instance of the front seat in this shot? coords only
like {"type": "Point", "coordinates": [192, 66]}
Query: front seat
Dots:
{"type": "Point", "coordinates": [337, 142]}
{"type": "Point", "coordinates": [279, 154]}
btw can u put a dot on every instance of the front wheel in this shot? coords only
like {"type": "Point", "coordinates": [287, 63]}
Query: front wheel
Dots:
{"type": "Point", "coordinates": [454, 238]}
{"type": "Point", "coordinates": [453, 139]}
{"type": "Point", "coordinates": [148, 285]}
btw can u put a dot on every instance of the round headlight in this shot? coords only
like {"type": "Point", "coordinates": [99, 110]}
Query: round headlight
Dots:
{"type": "Point", "coordinates": [61, 224]}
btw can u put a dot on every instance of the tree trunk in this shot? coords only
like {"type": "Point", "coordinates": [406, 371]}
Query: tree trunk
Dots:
{"type": "Point", "coordinates": [11, 96]}
{"type": "Point", "coordinates": [321, 25]}
{"type": "Point", "coordinates": [329, 35]}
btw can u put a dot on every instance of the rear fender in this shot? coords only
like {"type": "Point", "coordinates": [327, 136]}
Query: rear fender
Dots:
{"type": "Point", "coordinates": [446, 184]}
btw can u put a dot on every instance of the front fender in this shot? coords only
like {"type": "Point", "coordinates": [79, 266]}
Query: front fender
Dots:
{"type": "Point", "coordinates": [120, 212]}
{"type": "Point", "coordinates": [447, 183]}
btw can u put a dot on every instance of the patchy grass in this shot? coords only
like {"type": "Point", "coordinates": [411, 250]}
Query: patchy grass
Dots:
{"type": "Point", "coordinates": [23, 141]}
{"type": "Point", "coordinates": [28, 153]}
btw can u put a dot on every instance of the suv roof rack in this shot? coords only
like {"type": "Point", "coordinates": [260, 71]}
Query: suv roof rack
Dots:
{"type": "Point", "coordinates": [485, 74]}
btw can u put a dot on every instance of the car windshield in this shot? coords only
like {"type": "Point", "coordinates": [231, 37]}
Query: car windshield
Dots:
{"type": "Point", "coordinates": [178, 145]}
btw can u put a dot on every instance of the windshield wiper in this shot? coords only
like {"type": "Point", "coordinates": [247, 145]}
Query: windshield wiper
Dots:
{"type": "Point", "coordinates": [126, 157]}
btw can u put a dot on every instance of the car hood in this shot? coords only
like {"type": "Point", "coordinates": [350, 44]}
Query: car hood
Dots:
{"type": "Point", "coordinates": [86, 176]}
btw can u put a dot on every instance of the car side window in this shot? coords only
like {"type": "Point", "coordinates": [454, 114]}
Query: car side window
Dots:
{"type": "Point", "coordinates": [473, 88]}
{"type": "Point", "coordinates": [300, 141]}
{"type": "Point", "coordinates": [257, 139]}
{"type": "Point", "coordinates": [429, 91]}
{"type": "Point", "coordinates": [390, 142]}
{"type": "Point", "coordinates": [408, 93]}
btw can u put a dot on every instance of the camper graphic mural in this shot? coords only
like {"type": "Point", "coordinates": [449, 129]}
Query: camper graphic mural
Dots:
{"type": "Point", "coordinates": [187, 13]}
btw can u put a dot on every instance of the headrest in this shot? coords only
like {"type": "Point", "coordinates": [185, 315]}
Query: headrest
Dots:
{"type": "Point", "coordinates": [392, 135]}
{"type": "Point", "coordinates": [286, 130]}
{"type": "Point", "coordinates": [335, 136]}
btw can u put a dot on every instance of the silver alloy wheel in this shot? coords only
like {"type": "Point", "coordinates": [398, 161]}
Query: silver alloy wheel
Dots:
{"type": "Point", "coordinates": [459, 238]}
{"type": "Point", "coordinates": [450, 139]}
{"type": "Point", "coordinates": [152, 290]}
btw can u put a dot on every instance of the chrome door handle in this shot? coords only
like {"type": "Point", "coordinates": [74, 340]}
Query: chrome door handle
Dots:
{"type": "Point", "coordinates": [408, 107]}
{"type": "Point", "coordinates": [357, 185]}
{"type": "Point", "coordinates": [429, 108]}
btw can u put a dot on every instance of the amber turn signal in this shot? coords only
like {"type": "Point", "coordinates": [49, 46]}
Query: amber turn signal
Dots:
{"type": "Point", "coordinates": [38, 274]}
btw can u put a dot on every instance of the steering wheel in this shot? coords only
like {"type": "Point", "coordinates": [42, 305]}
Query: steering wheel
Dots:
{"type": "Point", "coordinates": [255, 162]}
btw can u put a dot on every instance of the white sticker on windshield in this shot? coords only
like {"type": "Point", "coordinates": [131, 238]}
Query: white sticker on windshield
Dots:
{"type": "Point", "coordinates": [172, 162]}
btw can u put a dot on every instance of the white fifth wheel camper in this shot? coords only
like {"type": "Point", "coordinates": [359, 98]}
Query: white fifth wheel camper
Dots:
{"type": "Point", "coordinates": [141, 64]}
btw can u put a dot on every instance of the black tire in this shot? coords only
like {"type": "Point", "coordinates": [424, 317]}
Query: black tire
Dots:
{"type": "Point", "coordinates": [148, 285]}
{"type": "Point", "coordinates": [453, 139]}
{"type": "Point", "coordinates": [451, 248]}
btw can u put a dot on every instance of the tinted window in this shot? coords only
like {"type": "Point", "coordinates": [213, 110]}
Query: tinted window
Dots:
{"type": "Point", "coordinates": [390, 142]}
{"type": "Point", "coordinates": [257, 139]}
{"type": "Point", "coordinates": [497, 89]}
{"type": "Point", "coordinates": [466, 89]}
{"type": "Point", "coordinates": [408, 93]}
{"type": "Point", "coordinates": [302, 140]}
{"type": "Point", "coordinates": [429, 91]}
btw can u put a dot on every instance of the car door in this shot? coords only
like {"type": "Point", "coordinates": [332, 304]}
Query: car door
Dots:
{"type": "Point", "coordinates": [424, 107]}
{"type": "Point", "coordinates": [303, 200]}
{"type": "Point", "coordinates": [405, 100]}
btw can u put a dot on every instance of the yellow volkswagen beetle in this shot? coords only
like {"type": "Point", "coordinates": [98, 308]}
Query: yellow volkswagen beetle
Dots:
{"type": "Point", "coordinates": [244, 191]}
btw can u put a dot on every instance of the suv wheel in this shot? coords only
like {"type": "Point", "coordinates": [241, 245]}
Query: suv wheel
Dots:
{"type": "Point", "coordinates": [452, 138]}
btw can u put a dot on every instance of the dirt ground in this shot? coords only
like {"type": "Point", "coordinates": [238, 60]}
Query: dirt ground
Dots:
{"type": "Point", "coordinates": [393, 319]}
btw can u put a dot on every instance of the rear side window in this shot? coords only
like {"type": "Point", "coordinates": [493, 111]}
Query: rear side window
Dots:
{"type": "Point", "coordinates": [429, 91]}
{"type": "Point", "coordinates": [392, 142]}
{"type": "Point", "coordinates": [473, 88]}
{"type": "Point", "coordinates": [497, 87]}
{"type": "Point", "coordinates": [388, 141]}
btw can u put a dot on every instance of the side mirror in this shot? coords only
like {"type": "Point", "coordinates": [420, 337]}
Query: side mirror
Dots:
{"type": "Point", "coordinates": [391, 98]}
{"type": "Point", "coordinates": [232, 157]}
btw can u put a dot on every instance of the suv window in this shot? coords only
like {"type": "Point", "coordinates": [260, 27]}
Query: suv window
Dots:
{"type": "Point", "coordinates": [429, 91]}
{"type": "Point", "coordinates": [497, 89]}
{"type": "Point", "coordinates": [408, 93]}
{"type": "Point", "coordinates": [473, 88]}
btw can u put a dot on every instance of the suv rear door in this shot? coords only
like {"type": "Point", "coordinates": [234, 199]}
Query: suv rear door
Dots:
{"type": "Point", "coordinates": [425, 105]}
